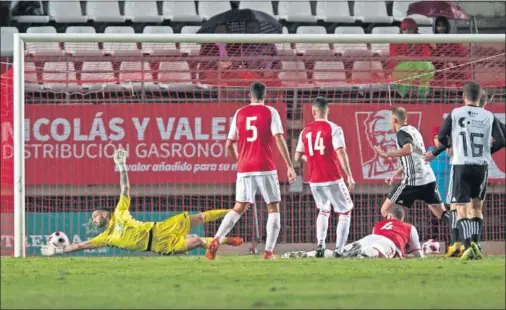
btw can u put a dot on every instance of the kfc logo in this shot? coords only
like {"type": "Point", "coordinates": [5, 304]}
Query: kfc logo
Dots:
{"type": "Point", "coordinates": [374, 128]}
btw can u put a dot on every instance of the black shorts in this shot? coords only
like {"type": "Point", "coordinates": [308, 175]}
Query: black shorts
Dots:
{"type": "Point", "coordinates": [405, 195]}
{"type": "Point", "coordinates": [467, 182]}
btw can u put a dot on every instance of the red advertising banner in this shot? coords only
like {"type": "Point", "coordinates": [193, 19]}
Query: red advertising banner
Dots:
{"type": "Point", "coordinates": [166, 143]}
{"type": "Point", "coordinates": [366, 125]}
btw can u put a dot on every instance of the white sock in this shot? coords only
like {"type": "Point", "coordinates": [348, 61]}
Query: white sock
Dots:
{"type": "Point", "coordinates": [227, 224]}
{"type": "Point", "coordinates": [273, 226]}
{"type": "Point", "coordinates": [343, 229]}
{"type": "Point", "coordinates": [322, 226]}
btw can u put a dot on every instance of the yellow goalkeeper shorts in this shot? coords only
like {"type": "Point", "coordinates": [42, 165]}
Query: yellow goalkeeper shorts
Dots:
{"type": "Point", "coordinates": [169, 236]}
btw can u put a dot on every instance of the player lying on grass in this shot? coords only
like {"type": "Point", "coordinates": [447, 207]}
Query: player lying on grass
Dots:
{"type": "Point", "coordinates": [388, 240]}
{"type": "Point", "coordinates": [123, 231]}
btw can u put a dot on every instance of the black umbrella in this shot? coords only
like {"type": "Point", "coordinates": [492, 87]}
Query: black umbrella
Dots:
{"type": "Point", "coordinates": [236, 21]}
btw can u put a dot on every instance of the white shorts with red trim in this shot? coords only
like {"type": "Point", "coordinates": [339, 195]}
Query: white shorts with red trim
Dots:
{"type": "Point", "coordinates": [248, 185]}
{"type": "Point", "coordinates": [335, 194]}
{"type": "Point", "coordinates": [377, 246]}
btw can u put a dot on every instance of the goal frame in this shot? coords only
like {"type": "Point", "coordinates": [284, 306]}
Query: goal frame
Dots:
{"type": "Point", "coordinates": [19, 88]}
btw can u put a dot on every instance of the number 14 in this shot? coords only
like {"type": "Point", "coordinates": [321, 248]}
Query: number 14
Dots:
{"type": "Point", "coordinates": [318, 143]}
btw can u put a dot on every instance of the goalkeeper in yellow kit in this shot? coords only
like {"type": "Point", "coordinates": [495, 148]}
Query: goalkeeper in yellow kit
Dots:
{"type": "Point", "coordinates": [123, 231]}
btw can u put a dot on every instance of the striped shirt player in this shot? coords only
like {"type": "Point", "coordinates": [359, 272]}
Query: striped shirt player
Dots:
{"type": "Point", "coordinates": [321, 144]}
{"type": "Point", "coordinates": [253, 131]}
{"type": "Point", "coordinates": [419, 182]}
{"type": "Point", "coordinates": [389, 239]}
{"type": "Point", "coordinates": [470, 130]}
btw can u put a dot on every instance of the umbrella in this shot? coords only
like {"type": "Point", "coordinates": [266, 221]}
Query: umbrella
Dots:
{"type": "Point", "coordinates": [448, 9]}
{"type": "Point", "coordinates": [236, 21]}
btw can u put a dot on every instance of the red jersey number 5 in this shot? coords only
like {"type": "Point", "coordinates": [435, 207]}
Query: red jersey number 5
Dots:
{"type": "Point", "coordinates": [251, 127]}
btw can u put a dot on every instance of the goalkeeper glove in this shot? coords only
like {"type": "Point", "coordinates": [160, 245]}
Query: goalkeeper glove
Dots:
{"type": "Point", "coordinates": [49, 250]}
{"type": "Point", "coordinates": [120, 158]}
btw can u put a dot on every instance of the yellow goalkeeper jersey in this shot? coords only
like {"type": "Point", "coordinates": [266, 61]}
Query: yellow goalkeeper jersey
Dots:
{"type": "Point", "coordinates": [124, 231]}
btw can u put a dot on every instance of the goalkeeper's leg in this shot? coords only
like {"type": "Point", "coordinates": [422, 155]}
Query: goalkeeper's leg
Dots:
{"type": "Point", "coordinates": [192, 243]}
{"type": "Point", "coordinates": [207, 216]}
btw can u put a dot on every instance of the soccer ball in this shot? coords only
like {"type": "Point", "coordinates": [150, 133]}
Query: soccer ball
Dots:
{"type": "Point", "coordinates": [59, 240]}
{"type": "Point", "coordinates": [430, 247]}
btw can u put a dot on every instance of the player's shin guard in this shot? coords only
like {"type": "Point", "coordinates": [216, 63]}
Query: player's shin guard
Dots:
{"type": "Point", "coordinates": [464, 226]}
{"type": "Point", "coordinates": [454, 230]}
{"type": "Point", "coordinates": [322, 226]}
{"type": "Point", "coordinates": [273, 226]}
{"type": "Point", "coordinates": [476, 224]}
{"type": "Point", "coordinates": [227, 224]}
{"type": "Point", "coordinates": [343, 229]}
{"type": "Point", "coordinates": [213, 215]}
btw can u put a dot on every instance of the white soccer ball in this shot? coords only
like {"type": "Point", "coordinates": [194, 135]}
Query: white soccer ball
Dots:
{"type": "Point", "coordinates": [431, 246]}
{"type": "Point", "coordinates": [59, 240]}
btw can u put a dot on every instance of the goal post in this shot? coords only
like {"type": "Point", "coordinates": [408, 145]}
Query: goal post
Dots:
{"type": "Point", "coordinates": [337, 81]}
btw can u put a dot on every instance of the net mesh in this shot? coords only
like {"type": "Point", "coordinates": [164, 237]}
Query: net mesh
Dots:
{"type": "Point", "coordinates": [170, 106]}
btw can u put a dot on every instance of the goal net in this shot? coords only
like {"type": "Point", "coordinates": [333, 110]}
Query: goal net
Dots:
{"type": "Point", "coordinates": [169, 103]}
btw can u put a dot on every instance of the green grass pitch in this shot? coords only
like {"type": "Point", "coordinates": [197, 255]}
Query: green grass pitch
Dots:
{"type": "Point", "coordinates": [249, 282]}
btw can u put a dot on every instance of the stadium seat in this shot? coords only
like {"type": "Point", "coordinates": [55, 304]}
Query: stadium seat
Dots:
{"type": "Point", "coordinates": [295, 11]}
{"type": "Point", "coordinates": [31, 73]}
{"type": "Point", "coordinates": [372, 12]}
{"type": "Point", "coordinates": [115, 48]}
{"type": "Point", "coordinates": [159, 48]}
{"type": "Point", "coordinates": [59, 76]}
{"type": "Point", "coordinates": [313, 48]}
{"type": "Point", "coordinates": [329, 74]}
{"type": "Point", "coordinates": [174, 73]}
{"type": "Point", "coordinates": [334, 12]}
{"type": "Point", "coordinates": [135, 75]}
{"type": "Point", "coordinates": [66, 11]}
{"type": "Point", "coordinates": [366, 72]}
{"type": "Point", "coordinates": [264, 6]}
{"type": "Point", "coordinates": [31, 80]}
{"type": "Point", "coordinates": [7, 40]}
{"type": "Point", "coordinates": [425, 30]}
{"type": "Point", "coordinates": [142, 12]}
{"type": "Point", "coordinates": [294, 74]}
{"type": "Point", "coordinates": [82, 48]}
{"type": "Point", "coordinates": [208, 9]}
{"type": "Point", "coordinates": [190, 48]}
{"type": "Point", "coordinates": [380, 48]}
{"type": "Point", "coordinates": [285, 48]}
{"type": "Point", "coordinates": [180, 11]}
{"type": "Point", "coordinates": [32, 19]}
{"type": "Point", "coordinates": [400, 8]}
{"type": "Point", "coordinates": [351, 48]}
{"type": "Point", "coordinates": [104, 11]}
{"type": "Point", "coordinates": [52, 48]}
{"type": "Point", "coordinates": [97, 75]}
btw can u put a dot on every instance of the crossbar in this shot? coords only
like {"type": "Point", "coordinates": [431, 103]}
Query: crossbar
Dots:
{"type": "Point", "coordinates": [263, 38]}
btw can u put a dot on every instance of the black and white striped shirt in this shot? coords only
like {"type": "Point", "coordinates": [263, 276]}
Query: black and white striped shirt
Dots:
{"type": "Point", "coordinates": [416, 171]}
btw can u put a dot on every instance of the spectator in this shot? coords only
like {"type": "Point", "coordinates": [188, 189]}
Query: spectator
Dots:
{"type": "Point", "coordinates": [414, 72]}
{"type": "Point", "coordinates": [208, 68]}
{"type": "Point", "coordinates": [447, 71]}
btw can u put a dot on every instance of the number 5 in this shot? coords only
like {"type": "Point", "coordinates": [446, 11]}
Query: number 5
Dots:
{"type": "Point", "coordinates": [251, 127]}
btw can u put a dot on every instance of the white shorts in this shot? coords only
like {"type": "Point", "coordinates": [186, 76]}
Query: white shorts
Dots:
{"type": "Point", "coordinates": [247, 186]}
{"type": "Point", "coordinates": [377, 246]}
{"type": "Point", "coordinates": [335, 194]}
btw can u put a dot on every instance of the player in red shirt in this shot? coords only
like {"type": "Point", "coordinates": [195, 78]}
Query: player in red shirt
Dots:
{"type": "Point", "coordinates": [253, 130]}
{"type": "Point", "coordinates": [388, 240]}
{"type": "Point", "coordinates": [321, 144]}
